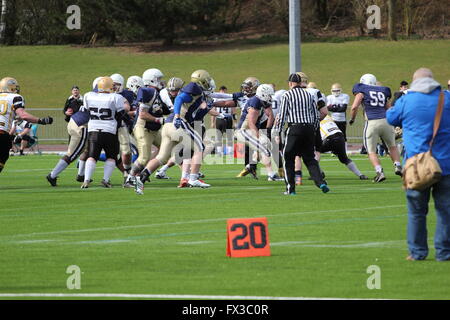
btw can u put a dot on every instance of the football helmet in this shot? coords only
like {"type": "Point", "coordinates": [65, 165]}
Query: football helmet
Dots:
{"type": "Point", "coordinates": [9, 85]}
{"type": "Point", "coordinates": [153, 78]}
{"type": "Point", "coordinates": [212, 87]}
{"type": "Point", "coordinates": [304, 77]}
{"type": "Point", "coordinates": [249, 86]}
{"type": "Point", "coordinates": [202, 78]}
{"type": "Point", "coordinates": [336, 89]}
{"type": "Point", "coordinates": [175, 84]}
{"type": "Point", "coordinates": [265, 93]}
{"type": "Point", "coordinates": [105, 85]}
{"type": "Point", "coordinates": [368, 79]}
{"type": "Point", "coordinates": [134, 83]}
{"type": "Point", "coordinates": [94, 84]}
{"type": "Point", "coordinates": [312, 85]}
{"type": "Point", "coordinates": [118, 80]}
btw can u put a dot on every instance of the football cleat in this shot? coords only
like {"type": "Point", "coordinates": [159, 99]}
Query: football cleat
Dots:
{"type": "Point", "coordinates": [286, 193]}
{"type": "Point", "coordinates": [184, 183]}
{"type": "Point", "coordinates": [252, 171]}
{"type": "Point", "coordinates": [161, 175]}
{"type": "Point", "coordinates": [80, 178]}
{"type": "Point", "coordinates": [243, 173]}
{"type": "Point", "coordinates": [298, 180]}
{"type": "Point", "coordinates": [399, 171]}
{"type": "Point", "coordinates": [201, 175]}
{"type": "Point", "coordinates": [363, 177]}
{"type": "Point", "coordinates": [85, 185]}
{"type": "Point", "coordinates": [198, 184]}
{"type": "Point", "coordinates": [324, 188]}
{"type": "Point", "coordinates": [379, 177]}
{"type": "Point", "coordinates": [51, 180]}
{"type": "Point", "coordinates": [106, 184]}
{"type": "Point", "coordinates": [275, 177]}
{"type": "Point", "coordinates": [130, 182]}
{"type": "Point", "coordinates": [139, 186]}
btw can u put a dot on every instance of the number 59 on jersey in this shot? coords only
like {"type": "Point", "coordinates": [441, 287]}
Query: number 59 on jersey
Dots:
{"type": "Point", "coordinates": [248, 238]}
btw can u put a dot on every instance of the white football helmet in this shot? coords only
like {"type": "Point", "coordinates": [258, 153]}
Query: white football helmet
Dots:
{"type": "Point", "coordinates": [368, 79]}
{"type": "Point", "coordinates": [153, 77]}
{"type": "Point", "coordinates": [134, 83]}
{"type": "Point", "coordinates": [119, 82]}
{"type": "Point", "coordinates": [94, 84]}
{"type": "Point", "coordinates": [212, 87]}
{"type": "Point", "coordinates": [265, 93]}
{"type": "Point", "coordinates": [175, 84]}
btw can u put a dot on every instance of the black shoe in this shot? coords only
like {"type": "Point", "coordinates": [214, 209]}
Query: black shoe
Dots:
{"type": "Point", "coordinates": [51, 180]}
{"type": "Point", "coordinates": [80, 178]}
{"type": "Point", "coordinates": [106, 184]}
{"type": "Point", "coordinates": [380, 177]}
{"type": "Point", "coordinates": [252, 171]}
{"type": "Point", "coordinates": [363, 177]}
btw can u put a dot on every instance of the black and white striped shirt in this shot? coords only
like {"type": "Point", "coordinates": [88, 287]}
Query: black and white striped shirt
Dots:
{"type": "Point", "coordinates": [297, 106]}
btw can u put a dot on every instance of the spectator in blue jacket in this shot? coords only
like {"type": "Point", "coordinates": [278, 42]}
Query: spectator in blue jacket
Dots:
{"type": "Point", "coordinates": [415, 113]}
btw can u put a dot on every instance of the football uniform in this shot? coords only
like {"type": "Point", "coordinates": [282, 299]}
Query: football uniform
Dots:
{"type": "Point", "coordinates": [124, 135]}
{"type": "Point", "coordinates": [9, 102]}
{"type": "Point", "coordinates": [20, 126]}
{"type": "Point", "coordinates": [374, 103]}
{"type": "Point", "coordinates": [320, 100]}
{"type": "Point", "coordinates": [338, 107]}
{"type": "Point", "coordinates": [247, 136]}
{"type": "Point", "coordinates": [148, 133]}
{"type": "Point", "coordinates": [103, 109]}
{"type": "Point", "coordinates": [187, 105]}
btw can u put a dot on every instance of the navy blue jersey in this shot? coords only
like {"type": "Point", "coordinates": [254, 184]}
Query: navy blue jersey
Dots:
{"type": "Point", "coordinates": [375, 100]}
{"type": "Point", "coordinates": [255, 103]}
{"type": "Point", "coordinates": [129, 95]}
{"type": "Point", "coordinates": [149, 97]}
{"type": "Point", "coordinates": [190, 98]}
{"type": "Point", "coordinates": [81, 117]}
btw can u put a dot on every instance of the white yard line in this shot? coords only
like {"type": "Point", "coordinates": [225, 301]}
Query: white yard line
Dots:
{"type": "Point", "coordinates": [194, 222]}
{"type": "Point", "coordinates": [160, 296]}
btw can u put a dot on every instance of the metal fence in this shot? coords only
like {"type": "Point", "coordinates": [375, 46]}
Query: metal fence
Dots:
{"type": "Point", "coordinates": [57, 132]}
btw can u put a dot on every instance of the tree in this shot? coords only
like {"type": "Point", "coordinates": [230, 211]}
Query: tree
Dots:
{"type": "Point", "coordinates": [392, 32]}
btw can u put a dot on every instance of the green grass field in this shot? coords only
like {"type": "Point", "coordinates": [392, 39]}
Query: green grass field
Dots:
{"type": "Point", "coordinates": [172, 241]}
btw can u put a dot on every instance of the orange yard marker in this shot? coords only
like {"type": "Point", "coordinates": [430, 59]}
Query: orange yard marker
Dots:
{"type": "Point", "coordinates": [248, 238]}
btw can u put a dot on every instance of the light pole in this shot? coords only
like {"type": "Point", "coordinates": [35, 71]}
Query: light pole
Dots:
{"type": "Point", "coordinates": [295, 51]}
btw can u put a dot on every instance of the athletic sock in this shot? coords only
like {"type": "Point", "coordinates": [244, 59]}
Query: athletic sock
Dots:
{"type": "Point", "coordinates": [185, 175]}
{"type": "Point", "coordinates": [90, 168]}
{"type": "Point", "coordinates": [193, 177]}
{"type": "Point", "coordinates": [397, 164]}
{"type": "Point", "coordinates": [353, 168]}
{"type": "Point", "coordinates": [378, 169]}
{"type": "Point", "coordinates": [164, 168]}
{"type": "Point", "coordinates": [81, 167]}
{"type": "Point", "coordinates": [59, 168]}
{"type": "Point", "coordinates": [108, 170]}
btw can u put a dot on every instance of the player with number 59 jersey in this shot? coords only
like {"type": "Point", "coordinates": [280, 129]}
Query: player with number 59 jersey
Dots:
{"type": "Point", "coordinates": [375, 101]}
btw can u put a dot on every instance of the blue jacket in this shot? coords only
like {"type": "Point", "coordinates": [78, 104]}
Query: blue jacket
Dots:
{"type": "Point", "coordinates": [415, 113]}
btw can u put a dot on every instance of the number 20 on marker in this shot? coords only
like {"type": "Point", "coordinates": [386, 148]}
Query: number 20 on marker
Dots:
{"type": "Point", "coordinates": [248, 238]}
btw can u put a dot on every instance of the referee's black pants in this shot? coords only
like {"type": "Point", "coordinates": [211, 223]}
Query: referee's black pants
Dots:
{"type": "Point", "coordinates": [300, 141]}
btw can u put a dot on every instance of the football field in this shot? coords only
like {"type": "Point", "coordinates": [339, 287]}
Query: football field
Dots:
{"type": "Point", "coordinates": [171, 242]}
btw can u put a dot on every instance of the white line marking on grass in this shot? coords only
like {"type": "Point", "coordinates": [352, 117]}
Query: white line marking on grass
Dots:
{"type": "Point", "coordinates": [160, 296]}
{"type": "Point", "coordinates": [380, 244]}
{"type": "Point", "coordinates": [195, 221]}
{"type": "Point", "coordinates": [196, 242]}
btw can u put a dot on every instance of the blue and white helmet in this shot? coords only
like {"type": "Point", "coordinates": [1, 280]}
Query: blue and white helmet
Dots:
{"type": "Point", "coordinates": [134, 83]}
{"type": "Point", "coordinates": [119, 82]}
{"type": "Point", "coordinates": [265, 93]}
{"type": "Point", "coordinates": [154, 78]}
{"type": "Point", "coordinates": [368, 79]}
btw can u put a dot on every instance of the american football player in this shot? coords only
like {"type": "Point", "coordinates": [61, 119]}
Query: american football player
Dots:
{"type": "Point", "coordinates": [375, 101]}
{"type": "Point", "coordinates": [12, 104]}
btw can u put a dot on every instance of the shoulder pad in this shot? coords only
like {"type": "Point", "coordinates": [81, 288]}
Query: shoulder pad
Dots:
{"type": "Point", "coordinates": [192, 89]}
{"type": "Point", "coordinates": [145, 95]}
{"type": "Point", "coordinates": [358, 88]}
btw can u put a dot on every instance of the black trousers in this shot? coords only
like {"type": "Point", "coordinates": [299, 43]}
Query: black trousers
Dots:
{"type": "Point", "coordinates": [336, 144]}
{"type": "Point", "coordinates": [98, 141]}
{"type": "Point", "coordinates": [342, 125]}
{"type": "Point", "coordinates": [300, 141]}
{"type": "Point", "coordinates": [5, 146]}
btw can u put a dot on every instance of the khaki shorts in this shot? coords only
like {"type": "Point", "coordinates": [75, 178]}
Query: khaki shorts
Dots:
{"type": "Point", "coordinates": [124, 140]}
{"type": "Point", "coordinates": [144, 140]}
{"type": "Point", "coordinates": [376, 129]}
{"type": "Point", "coordinates": [171, 137]}
{"type": "Point", "coordinates": [78, 140]}
{"type": "Point", "coordinates": [261, 144]}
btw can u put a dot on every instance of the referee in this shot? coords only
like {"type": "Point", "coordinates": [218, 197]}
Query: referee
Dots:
{"type": "Point", "coordinates": [298, 110]}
